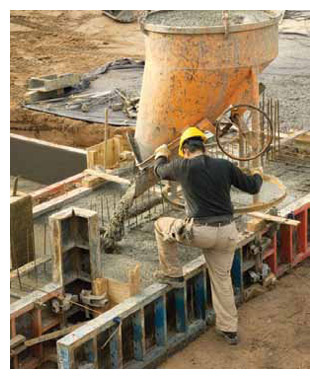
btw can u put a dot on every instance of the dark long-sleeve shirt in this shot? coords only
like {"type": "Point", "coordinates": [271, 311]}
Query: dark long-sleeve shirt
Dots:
{"type": "Point", "coordinates": [206, 183]}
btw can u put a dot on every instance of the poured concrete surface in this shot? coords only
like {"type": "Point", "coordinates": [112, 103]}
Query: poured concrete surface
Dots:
{"type": "Point", "coordinates": [138, 244]}
{"type": "Point", "coordinates": [44, 162]}
{"type": "Point", "coordinates": [25, 185]}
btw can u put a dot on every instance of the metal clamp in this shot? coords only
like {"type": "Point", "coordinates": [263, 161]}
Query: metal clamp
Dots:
{"type": "Point", "coordinates": [63, 303]}
{"type": "Point", "coordinates": [96, 301]}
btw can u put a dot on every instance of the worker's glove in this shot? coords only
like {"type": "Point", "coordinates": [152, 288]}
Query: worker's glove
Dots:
{"type": "Point", "coordinates": [257, 170]}
{"type": "Point", "coordinates": [162, 151]}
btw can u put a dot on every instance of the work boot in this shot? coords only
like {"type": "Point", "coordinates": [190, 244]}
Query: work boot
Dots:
{"type": "Point", "coordinates": [230, 337]}
{"type": "Point", "coordinates": [177, 282]}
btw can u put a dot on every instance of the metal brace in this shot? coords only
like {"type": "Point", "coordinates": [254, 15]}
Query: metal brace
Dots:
{"type": "Point", "coordinates": [96, 301]}
{"type": "Point", "coordinates": [63, 303]}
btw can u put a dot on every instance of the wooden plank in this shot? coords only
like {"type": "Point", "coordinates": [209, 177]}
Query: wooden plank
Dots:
{"type": "Point", "coordinates": [139, 335]}
{"type": "Point", "coordinates": [100, 286]}
{"type": "Point", "coordinates": [37, 328]}
{"type": "Point", "coordinates": [118, 291]}
{"type": "Point", "coordinates": [105, 321]}
{"type": "Point", "coordinates": [60, 201]}
{"type": "Point", "coordinates": [181, 309]}
{"type": "Point", "coordinates": [295, 205]}
{"type": "Point", "coordinates": [200, 295]}
{"type": "Point", "coordinates": [13, 334]}
{"type": "Point", "coordinates": [116, 349]}
{"type": "Point", "coordinates": [27, 303]}
{"type": "Point", "coordinates": [28, 267]}
{"type": "Point", "coordinates": [95, 352]}
{"type": "Point", "coordinates": [39, 195]}
{"type": "Point", "coordinates": [53, 335]}
{"type": "Point", "coordinates": [65, 357]}
{"type": "Point", "coordinates": [237, 272]}
{"type": "Point", "coordinates": [134, 279]}
{"type": "Point", "coordinates": [160, 321]}
{"type": "Point", "coordinates": [277, 219]}
{"type": "Point", "coordinates": [255, 225]}
{"type": "Point", "coordinates": [17, 340]}
{"type": "Point", "coordinates": [108, 177]}
{"type": "Point", "coordinates": [92, 181]}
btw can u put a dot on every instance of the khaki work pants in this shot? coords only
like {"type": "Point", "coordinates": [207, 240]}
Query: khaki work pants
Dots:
{"type": "Point", "coordinates": [218, 244]}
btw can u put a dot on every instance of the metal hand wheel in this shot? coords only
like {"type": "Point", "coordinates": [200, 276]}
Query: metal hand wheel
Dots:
{"type": "Point", "coordinates": [243, 132]}
{"type": "Point", "coordinates": [172, 193]}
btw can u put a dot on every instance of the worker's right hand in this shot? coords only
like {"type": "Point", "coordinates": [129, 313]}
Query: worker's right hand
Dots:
{"type": "Point", "coordinates": [162, 151]}
{"type": "Point", "coordinates": [257, 170]}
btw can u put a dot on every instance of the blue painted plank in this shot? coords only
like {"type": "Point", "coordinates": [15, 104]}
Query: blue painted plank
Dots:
{"type": "Point", "coordinates": [89, 351]}
{"type": "Point", "coordinates": [63, 355]}
{"type": "Point", "coordinates": [114, 350]}
{"type": "Point", "coordinates": [160, 321]}
{"type": "Point", "coordinates": [200, 295]}
{"type": "Point", "coordinates": [236, 273]}
{"type": "Point", "coordinates": [181, 309]}
{"type": "Point", "coordinates": [138, 335]}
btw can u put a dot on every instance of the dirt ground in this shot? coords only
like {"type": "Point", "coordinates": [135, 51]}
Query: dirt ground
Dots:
{"type": "Point", "coordinates": [274, 332]}
{"type": "Point", "coordinates": [275, 327]}
{"type": "Point", "coordinates": [55, 42]}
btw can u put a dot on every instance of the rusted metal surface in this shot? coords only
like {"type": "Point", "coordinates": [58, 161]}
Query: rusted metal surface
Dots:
{"type": "Point", "coordinates": [252, 142]}
{"type": "Point", "coordinates": [196, 73]}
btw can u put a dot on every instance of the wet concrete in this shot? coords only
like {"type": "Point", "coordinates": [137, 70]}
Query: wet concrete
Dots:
{"type": "Point", "coordinates": [44, 162]}
{"type": "Point", "coordinates": [138, 243]}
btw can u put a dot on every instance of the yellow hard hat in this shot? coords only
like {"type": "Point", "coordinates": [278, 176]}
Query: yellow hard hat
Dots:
{"type": "Point", "coordinates": [190, 132]}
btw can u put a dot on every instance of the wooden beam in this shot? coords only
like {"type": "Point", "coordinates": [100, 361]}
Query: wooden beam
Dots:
{"type": "Point", "coordinates": [28, 267]}
{"type": "Point", "coordinates": [108, 177]}
{"type": "Point", "coordinates": [277, 219]}
{"type": "Point", "coordinates": [53, 335]}
{"type": "Point", "coordinates": [17, 340]}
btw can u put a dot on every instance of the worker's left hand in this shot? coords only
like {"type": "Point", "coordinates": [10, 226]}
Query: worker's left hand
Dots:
{"type": "Point", "coordinates": [162, 151]}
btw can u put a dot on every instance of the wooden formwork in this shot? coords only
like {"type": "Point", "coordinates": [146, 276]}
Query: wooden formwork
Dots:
{"type": "Point", "coordinates": [162, 319]}
{"type": "Point", "coordinates": [294, 243]}
{"type": "Point", "coordinates": [156, 331]}
{"type": "Point", "coordinates": [143, 329]}
{"type": "Point", "coordinates": [28, 318]}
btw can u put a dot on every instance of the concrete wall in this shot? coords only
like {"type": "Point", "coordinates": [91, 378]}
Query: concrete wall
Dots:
{"type": "Point", "coordinates": [44, 162]}
{"type": "Point", "coordinates": [21, 231]}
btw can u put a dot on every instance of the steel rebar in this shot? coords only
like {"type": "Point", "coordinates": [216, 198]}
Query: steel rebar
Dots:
{"type": "Point", "coordinates": [101, 203]}
{"type": "Point", "coordinates": [44, 245]}
{"type": "Point", "coordinates": [108, 209]}
{"type": "Point", "coordinates": [15, 263]}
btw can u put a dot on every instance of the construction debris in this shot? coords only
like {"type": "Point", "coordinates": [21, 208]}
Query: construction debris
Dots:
{"type": "Point", "coordinates": [115, 86]}
{"type": "Point", "coordinates": [51, 87]}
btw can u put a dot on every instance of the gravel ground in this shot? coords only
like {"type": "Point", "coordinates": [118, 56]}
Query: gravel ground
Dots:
{"type": "Point", "coordinates": [287, 78]}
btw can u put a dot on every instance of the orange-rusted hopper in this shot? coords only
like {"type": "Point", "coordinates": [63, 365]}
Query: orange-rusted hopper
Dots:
{"type": "Point", "coordinates": [195, 72]}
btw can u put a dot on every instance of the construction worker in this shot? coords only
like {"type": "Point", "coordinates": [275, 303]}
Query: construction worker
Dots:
{"type": "Point", "coordinates": [209, 224]}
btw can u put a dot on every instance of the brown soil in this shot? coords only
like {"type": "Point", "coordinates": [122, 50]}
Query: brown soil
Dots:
{"type": "Point", "coordinates": [275, 327]}
{"type": "Point", "coordinates": [274, 332]}
{"type": "Point", "coordinates": [55, 42]}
